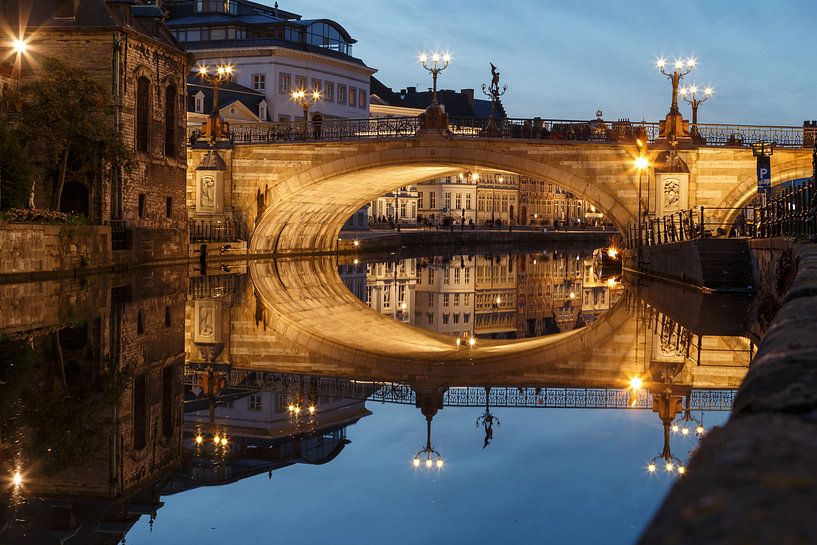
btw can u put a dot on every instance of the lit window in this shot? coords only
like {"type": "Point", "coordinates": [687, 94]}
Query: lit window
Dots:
{"type": "Point", "coordinates": [352, 97]}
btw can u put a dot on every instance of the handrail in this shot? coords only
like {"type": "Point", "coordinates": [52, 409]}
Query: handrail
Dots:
{"type": "Point", "coordinates": [535, 128]}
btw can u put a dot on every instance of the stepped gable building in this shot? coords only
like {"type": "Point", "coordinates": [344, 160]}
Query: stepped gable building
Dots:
{"type": "Point", "coordinates": [275, 52]}
{"type": "Point", "coordinates": [125, 46]}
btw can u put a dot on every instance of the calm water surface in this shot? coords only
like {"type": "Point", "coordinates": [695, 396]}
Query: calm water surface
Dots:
{"type": "Point", "coordinates": [173, 407]}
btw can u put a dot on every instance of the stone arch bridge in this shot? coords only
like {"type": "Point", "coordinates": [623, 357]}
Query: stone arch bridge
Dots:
{"type": "Point", "coordinates": [294, 195]}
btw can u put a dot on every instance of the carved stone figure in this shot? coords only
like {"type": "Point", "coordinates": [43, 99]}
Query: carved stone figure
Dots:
{"type": "Point", "coordinates": [208, 192]}
{"type": "Point", "coordinates": [672, 194]}
{"type": "Point", "coordinates": [31, 205]}
{"type": "Point", "coordinates": [206, 326]}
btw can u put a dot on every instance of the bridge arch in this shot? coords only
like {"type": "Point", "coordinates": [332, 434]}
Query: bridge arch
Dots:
{"type": "Point", "coordinates": [793, 168]}
{"type": "Point", "coordinates": [309, 207]}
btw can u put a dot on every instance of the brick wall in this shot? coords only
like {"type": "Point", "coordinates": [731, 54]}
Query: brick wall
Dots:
{"type": "Point", "coordinates": [30, 248]}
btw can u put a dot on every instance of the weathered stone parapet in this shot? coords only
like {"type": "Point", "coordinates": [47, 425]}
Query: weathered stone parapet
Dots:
{"type": "Point", "coordinates": [753, 480]}
{"type": "Point", "coordinates": [33, 248]}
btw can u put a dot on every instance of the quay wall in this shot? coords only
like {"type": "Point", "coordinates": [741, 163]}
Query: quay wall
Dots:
{"type": "Point", "coordinates": [752, 480]}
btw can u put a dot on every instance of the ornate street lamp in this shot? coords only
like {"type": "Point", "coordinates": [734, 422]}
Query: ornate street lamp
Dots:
{"type": "Point", "coordinates": [428, 456]}
{"type": "Point", "coordinates": [215, 127]}
{"type": "Point", "coordinates": [494, 92]}
{"type": "Point", "coordinates": [305, 100]}
{"type": "Point", "coordinates": [689, 94]}
{"type": "Point", "coordinates": [436, 59]}
{"type": "Point", "coordinates": [674, 123]}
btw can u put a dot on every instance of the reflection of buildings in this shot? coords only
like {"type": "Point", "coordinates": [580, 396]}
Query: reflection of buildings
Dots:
{"type": "Point", "coordinates": [262, 431]}
{"type": "Point", "coordinates": [390, 288]}
{"type": "Point", "coordinates": [495, 296]}
{"type": "Point", "coordinates": [444, 300]}
{"type": "Point", "coordinates": [99, 423]}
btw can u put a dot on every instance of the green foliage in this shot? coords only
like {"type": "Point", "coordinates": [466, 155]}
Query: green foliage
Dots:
{"type": "Point", "coordinates": [15, 171]}
{"type": "Point", "coordinates": [66, 118]}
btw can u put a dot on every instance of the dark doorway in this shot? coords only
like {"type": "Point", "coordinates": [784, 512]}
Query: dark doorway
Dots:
{"type": "Point", "coordinates": [75, 199]}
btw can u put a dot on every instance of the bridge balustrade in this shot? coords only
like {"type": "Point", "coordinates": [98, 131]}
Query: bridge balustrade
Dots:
{"type": "Point", "coordinates": [535, 128]}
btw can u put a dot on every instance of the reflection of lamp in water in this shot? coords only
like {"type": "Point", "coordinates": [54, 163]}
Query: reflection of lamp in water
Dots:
{"type": "Point", "coordinates": [429, 401]}
{"type": "Point", "coordinates": [427, 455]}
{"type": "Point", "coordinates": [667, 403]}
{"type": "Point", "coordinates": [487, 419]}
{"type": "Point", "coordinates": [682, 425]}
{"type": "Point", "coordinates": [17, 479]}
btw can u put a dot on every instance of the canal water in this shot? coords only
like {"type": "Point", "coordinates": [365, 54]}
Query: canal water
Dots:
{"type": "Point", "coordinates": [529, 396]}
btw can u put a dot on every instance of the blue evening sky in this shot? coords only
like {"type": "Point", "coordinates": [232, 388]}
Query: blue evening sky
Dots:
{"type": "Point", "coordinates": [567, 59]}
{"type": "Point", "coordinates": [567, 476]}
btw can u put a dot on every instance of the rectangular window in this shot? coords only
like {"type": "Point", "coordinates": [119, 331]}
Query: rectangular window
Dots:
{"type": "Point", "coordinates": [445, 299]}
{"type": "Point", "coordinates": [386, 298]}
{"type": "Point", "coordinates": [317, 86]}
{"type": "Point", "coordinates": [445, 319]}
{"type": "Point", "coordinates": [341, 94]}
{"type": "Point", "coordinates": [432, 198]}
{"type": "Point", "coordinates": [254, 403]}
{"type": "Point", "coordinates": [467, 279]}
{"type": "Point", "coordinates": [466, 318]}
{"type": "Point", "coordinates": [361, 99]}
{"type": "Point", "coordinates": [259, 82]}
{"type": "Point", "coordinates": [167, 316]}
{"type": "Point", "coordinates": [448, 200]}
{"type": "Point", "coordinates": [430, 276]}
{"type": "Point", "coordinates": [430, 317]}
{"type": "Point", "coordinates": [141, 205]}
{"type": "Point", "coordinates": [457, 281]}
{"type": "Point", "coordinates": [170, 121]}
{"type": "Point", "coordinates": [420, 199]}
{"type": "Point", "coordinates": [430, 299]}
{"type": "Point", "coordinates": [218, 34]}
{"type": "Point", "coordinates": [352, 97]}
{"type": "Point", "coordinates": [300, 83]}
{"type": "Point", "coordinates": [458, 200]}
{"type": "Point", "coordinates": [199, 107]}
{"type": "Point", "coordinates": [401, 294]}
{"type": "Point", "coordinates": [140, 322]}
{"type": "Point", "coordinates": [456, 318]}
{"type": "Point", "coordinates": [142, 114]}
{"type": "Point", "coordinates": [283, 84]}
{"type": "Point", "coordinates": [329, 91]}
{"type": "Point", "coordinates": [468, 201]}
{"type": "Point", "coordinates": [169, 207]}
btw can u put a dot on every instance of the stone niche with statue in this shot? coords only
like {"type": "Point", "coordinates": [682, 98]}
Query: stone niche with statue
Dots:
{"type": "Point", "coordinates": [210, 179]}
{"type": "Point", "coordinates": [671, 190]}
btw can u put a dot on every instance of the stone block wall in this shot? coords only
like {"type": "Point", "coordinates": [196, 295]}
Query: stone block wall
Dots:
{"type": "Point", "coordinates": [33, 248]}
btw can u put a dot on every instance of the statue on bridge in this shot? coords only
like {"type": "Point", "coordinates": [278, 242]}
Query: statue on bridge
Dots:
{"type": "Point", "coordinates": [494, 92]}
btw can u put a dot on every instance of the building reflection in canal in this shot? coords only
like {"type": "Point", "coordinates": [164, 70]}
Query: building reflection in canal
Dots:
{"type": "Point", "coordinates": [505, 296]}
{"type": "Point", "coordinates": [122, 394]}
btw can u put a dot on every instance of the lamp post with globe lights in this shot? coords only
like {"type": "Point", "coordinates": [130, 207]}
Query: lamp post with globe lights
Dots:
{"type": "Point", "coordinates": [305, 100]}
{"type": "Point", "coordinates": [690, 95]}
{"type": "Point", "coordinates": [216, 127]}
{"type": "Point", "coordinates": [434, 117]}
{"type": "Point", "coordinates": [673, 125]}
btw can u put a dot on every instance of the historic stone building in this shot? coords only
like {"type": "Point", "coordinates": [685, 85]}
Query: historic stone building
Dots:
{"type": "Point", "coordinates": [126, 47]}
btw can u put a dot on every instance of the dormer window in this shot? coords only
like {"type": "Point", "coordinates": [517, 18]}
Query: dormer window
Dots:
{"type": "Point", "coordinates": [262, 110]}
{"type": "Point", "coordinates": [198, 106]}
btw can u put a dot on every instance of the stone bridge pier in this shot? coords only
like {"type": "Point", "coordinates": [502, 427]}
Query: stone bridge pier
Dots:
{"type": "Point", "coordinates": [294, 197]}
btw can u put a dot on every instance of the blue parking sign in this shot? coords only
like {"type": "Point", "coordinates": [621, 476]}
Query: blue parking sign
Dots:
{"type": "Point", "coordinates": [764, 174]}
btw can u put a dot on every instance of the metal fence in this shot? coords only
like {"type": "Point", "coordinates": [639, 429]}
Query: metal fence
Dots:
{"type": "Point", "coordinates": [791, 213]}
{"type": "Point", "coordinates": [597, 130]}
{"type": "Point", "coordinates": [120, 236]}
{"type": "Point", "coordinates": [216, 230]}
{"type": "Point", "coordinates": [695, 223]}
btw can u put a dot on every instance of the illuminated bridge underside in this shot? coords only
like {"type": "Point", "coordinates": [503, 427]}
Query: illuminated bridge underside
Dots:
{"type": "Point", "coordinates": [311, 308]}
{"type": "Point", "coordinates": [311, 188]}
{"type": "Point", "coordinates": [309, 206]}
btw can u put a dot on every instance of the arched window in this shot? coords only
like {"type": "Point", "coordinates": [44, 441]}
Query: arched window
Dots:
{"type": "Point", "coordinates": [170, 121]}
{"type": "Point", "coordinates": [143, 114]}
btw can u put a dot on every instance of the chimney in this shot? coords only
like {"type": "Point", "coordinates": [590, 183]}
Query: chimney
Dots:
{"type": "Point", "coordinates": [411, 90]}
{"type": "Point", "coordinates": [469, 93]}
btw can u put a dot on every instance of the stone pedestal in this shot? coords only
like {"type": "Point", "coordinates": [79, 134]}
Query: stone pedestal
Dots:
{"type": "Point", "coordinates": [674, 125]}
{"type": "Point", "coordinates": [210, 184]}
{"type": "Point", "coordinates": [207, 326]}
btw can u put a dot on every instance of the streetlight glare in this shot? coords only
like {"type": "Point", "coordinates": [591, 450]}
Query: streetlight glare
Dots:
{"type": "Point", "coordinates": [651, 468]}
{"type": "Point", "coordinates": [641, 163]}
{"type": "Point", "coordinates": [661, 63]}
{"type": "Point", "coordinates": [428, 463]}
{"type": "Point", "coordinates": [636, 383]}
{"type": "Point", "coordinates": [435, 57]}
{"type": "Point", "coordinates": [439, 463]}
{"type": "Point", "coordinates": [447, 57]}
{"type": "Point", "coordinates": [693, 89]}
{"type": "Point", "coordinates": [203, 70]}
{"type": "Point", "coordinates": [416, 462]}
{"type": "Point", "coordinates": [20, 46]}
{"type": "Point", "coordinates": [679, 64]}
{"type": "Point", "coordinates": [422, 57]}
{"type": "Point", "coordinates": [708, 91]}
{"type": "Point", "coordinates": [17, 479]}
{"type": "Point", "coordinates": [691, 62]}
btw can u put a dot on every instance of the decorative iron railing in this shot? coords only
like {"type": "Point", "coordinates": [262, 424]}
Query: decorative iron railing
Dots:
{"type": "Point", "coordinates": [536, 128]}
{"type": "Point", "coordinates": [791, 213]}
{"type": "Point", "coordinates": [216, 230]}
{"type": "Point", "coordinates": [471, 396]}
{"type": "Point", "coordinates": [702, 222]}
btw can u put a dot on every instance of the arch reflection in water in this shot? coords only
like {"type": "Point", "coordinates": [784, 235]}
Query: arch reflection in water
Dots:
{"type": "Point", "coordinates": [247, 361]}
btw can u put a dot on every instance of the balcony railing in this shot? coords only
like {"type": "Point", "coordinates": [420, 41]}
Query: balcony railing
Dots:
{"type": "Point", "coordinates": [216, 230]}
{"type": "Point", "coordinates": [599, 131]}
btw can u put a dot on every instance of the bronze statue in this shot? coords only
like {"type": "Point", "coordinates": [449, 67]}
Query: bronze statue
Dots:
{"type": "Point", "coordinates": [494, 92]}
